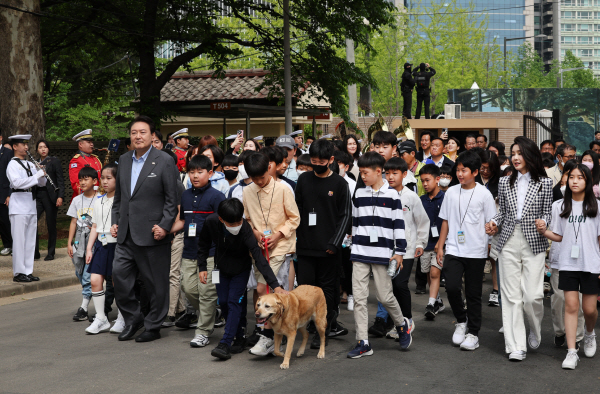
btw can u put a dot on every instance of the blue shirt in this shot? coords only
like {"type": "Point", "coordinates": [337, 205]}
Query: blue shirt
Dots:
{"type": "Point", "coordinates": [136, 167]}
{"type": "Point", "coordinates": [432, 207]}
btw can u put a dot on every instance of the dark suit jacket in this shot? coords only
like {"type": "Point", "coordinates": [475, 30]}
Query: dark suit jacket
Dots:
{"type": "Point", "coordinates": [5, 156]}
{"type": "Point", "coordinates": [55, 171]}
{"type": "Point", "coordinates": [153, 201]}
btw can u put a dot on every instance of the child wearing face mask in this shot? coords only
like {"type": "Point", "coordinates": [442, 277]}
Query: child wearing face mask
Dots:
{"type": "Point", "coordinates": [445, 178]}
{"type": "Point", "coordinates": [235, 242]}
{"type": "Point", "coordinates": [237, 190]}
{"type": "Point", "coordinates": [303, 164]}
{"type": "Point", "coordinates": [230, 169]}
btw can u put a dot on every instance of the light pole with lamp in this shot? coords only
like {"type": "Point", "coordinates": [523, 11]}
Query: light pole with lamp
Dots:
{"type": "Point", "coordinates": [518, 38]}
{"type": "Point", "coordinates": [571, 69]}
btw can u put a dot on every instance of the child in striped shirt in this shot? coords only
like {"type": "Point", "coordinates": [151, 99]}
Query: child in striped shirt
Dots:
{"type": "Point", "coordinates": [377, 241]}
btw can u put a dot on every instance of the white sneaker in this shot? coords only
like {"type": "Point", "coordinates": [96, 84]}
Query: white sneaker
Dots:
{"type": "Point", "coordinates": [98, 326]}
{"type": "Point", "coordinates": [392, 334]}
{"type": "Point", "coordinates": [518, 355]}
{"type": "Point", "coordinates": [471, 342]}
{"type": "Point", "coordinates": [263, 347]}
{"type": "Point", "coordinates": [571, 360]}
{"type": "Point", "coordinates": [589, 344]}
{"type": "Point", "coordinates": [199, 341]}
{"type": "Point", "coordinates": [501, 330]}
{"type": "Point", "coordinates": [533, 341]}
{"type": "Point", "coordinates": [119, 325]}
{"type": "Point", "coordinates": [6, 251]}
{"type": "Point", "coordinates": [350, 303]}
{"type": "Point", "coordinates": [459, 333]}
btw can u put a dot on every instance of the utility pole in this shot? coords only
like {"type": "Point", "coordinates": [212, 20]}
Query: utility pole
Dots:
{"type": "Point", "coordinates": [287, 67]}
{"type": "Point", "coordinates": [352, 98]}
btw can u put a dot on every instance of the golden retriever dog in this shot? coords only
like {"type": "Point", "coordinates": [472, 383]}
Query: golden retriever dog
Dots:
{"type": "Point", "coordinates": [288, 313]}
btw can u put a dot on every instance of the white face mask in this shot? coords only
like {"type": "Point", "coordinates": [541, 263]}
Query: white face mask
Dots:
{"type": "Point", "coordinates": [300, 172]}
{"type": "Point", "coordinates": [444, 182]}
{"type": "Point", "coordinates": [563, 189]}
{"type": "Point", "coordinates": [242, 171]}
{"type": "Point", "coordinates": [504, 167]}
{"type": "Point", "coordinates": [233, 230]}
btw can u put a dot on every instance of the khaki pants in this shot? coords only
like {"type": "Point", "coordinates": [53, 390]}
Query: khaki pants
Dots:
{"type": "Point", "coordinates": [557, 302]}
{"type": "Point", "coordinates": [203, 297]}
{"type": "Point", "coordinates": [176, 300]}
{"type": "Point", "coordinates": [522, 289]}
{"type": "Point", "coordinates": [385, 295]}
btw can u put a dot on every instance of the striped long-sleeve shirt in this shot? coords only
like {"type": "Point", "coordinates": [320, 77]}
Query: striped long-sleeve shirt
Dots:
{"type": "Point", "coordinates": [379, 212]}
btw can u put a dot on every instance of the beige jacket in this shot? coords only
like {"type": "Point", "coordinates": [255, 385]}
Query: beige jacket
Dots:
{"type": "Point", "coordinates": [555, 174]}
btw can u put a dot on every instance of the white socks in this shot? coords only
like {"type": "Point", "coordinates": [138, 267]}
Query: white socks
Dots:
{"type": "Point", "coordinates": [85, 303]}
{"type": "Point", "coordinates": [98, 297]}
{"type": "Point", "coordinates": [431, 301]}
{"type": "Point", "coordinates": [366, 342]}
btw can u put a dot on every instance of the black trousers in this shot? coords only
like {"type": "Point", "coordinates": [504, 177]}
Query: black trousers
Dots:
{"type": "Point", "coordinates": [454, 268]}
{"type": "Point", "coordinates": [45, 204]}
{"type": "Point", "coordinates": [153, 264]}
{"type": "Point", "coordinates": [400, 286]}
{"type": "Point", "coordinates": [423, 98]}
{"type": "Point", "coordinates": [347, 268]}
{"type": "Point", "coordinates": [322, 272]}
{"type": "Point", "coordinates": [407, 106]}
{"type": "Point", "coordinates": [5, 233]}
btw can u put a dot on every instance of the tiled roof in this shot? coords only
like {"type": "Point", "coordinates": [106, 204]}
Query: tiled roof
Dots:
{"type": "Point", "coordinates": [202, 86]}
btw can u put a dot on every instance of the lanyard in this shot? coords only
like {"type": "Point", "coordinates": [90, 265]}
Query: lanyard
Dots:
{"type": "Point", "coordinates": [88, 208]}
{"type": "Point", "coordinates": [466, 210]}
{"type": "Point", "coordinates": [270, 204]}
{"type": "Point", "coordinates": [374, 206]}
{"type": "Point", "coordinates": [105, 219]}
{"type": "Point", "coordinates": [578, 231]}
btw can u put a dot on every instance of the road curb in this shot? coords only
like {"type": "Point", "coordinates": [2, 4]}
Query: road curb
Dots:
{"type": "Point", "coordinates": [43, 284]}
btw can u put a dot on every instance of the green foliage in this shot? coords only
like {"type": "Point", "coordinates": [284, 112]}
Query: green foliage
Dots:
{"type": "Point", "coordinates": [578, 78]}
{"type": "Point", "coordinates": [528, 70]}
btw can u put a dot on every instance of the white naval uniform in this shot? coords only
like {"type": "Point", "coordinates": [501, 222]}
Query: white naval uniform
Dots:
{"type": "Point", "coordinates": [22, 212]}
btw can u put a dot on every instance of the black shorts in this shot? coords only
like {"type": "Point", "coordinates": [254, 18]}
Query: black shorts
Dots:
{"type": "Point", "coordinates": [583, 282]}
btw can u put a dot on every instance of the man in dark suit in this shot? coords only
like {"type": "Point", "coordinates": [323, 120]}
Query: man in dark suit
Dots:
{"type": "Point", "coordinates": [5, 155]}
{"type": "Point", "coordinates": [143, 212]}
{"type": "Point", "coordinates": [437, 154]}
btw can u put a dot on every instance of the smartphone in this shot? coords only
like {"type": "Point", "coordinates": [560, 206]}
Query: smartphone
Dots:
{"type": "Point", "coordinates": [445, 134]}
{"type": "Point", "coordinates": [240, 133]}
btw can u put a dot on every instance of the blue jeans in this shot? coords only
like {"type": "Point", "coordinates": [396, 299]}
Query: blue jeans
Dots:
{"type": "Point", "coordinates": [86, 286]}
{"type": "Point", "coordinates": [231, 291]}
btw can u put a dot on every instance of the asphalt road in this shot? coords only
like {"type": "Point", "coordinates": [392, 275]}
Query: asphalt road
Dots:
{"type": "Point", "coordinates": [43, 351]}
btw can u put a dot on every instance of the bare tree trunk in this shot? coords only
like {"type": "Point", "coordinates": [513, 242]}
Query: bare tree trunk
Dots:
{"type": "Point", "coordinates": [21, 70]}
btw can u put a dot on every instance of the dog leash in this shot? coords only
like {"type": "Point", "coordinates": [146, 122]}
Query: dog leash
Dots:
{"type": "Point", "coordinates": [266, 255]}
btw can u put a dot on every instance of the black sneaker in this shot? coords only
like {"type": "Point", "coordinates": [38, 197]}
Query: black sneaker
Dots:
{"type": "Point", "coordinates": [389, 324]}
{"type": "Point", "coordinates": [559, 340]}
{"type": "Point", "coordinates": [221, 351]}
{"type": "Point", "coordinates": [311, 328]}
{"type": "Point", "coordinates": [169, 321]}
{"type": "Point", "coordinates": [420, 290]}
{"type": "Point", "coordinates": [430, 312]}
{"type": "Point", "coordinates": [253, 339]}
{"type": "Point", "coordinates": [378, 328]}
{"type": "Point", "coordinates": [81, 315]}
{"type": "Point", "coordinates": [239, 345]}
{"type": "Point", "coordinates": [316, 342]}
{"type": "Point", "coordinates": [337, 330]}
{"type": "Point", "coordinates": [438, 306]}
{"type": "Point", "coordinates": [187, 321]}
{"type": "Point", "coordinates": [443, 282]}
{"type": "Point", "coordinates": [577, 345]}
{"type": "Point", "coordinates": [220, 322]}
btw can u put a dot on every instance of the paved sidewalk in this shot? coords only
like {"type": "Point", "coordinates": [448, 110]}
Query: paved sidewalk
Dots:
{"type": "Point", "coordinates": [53, 274]}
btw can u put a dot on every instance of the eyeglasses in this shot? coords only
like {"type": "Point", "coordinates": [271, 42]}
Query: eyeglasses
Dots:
{"type": "Point", "coordinates": [568, 157]}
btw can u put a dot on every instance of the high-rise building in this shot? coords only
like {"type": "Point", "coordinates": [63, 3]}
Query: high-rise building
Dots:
{"type": "Point", "coordinates": [546, 20]}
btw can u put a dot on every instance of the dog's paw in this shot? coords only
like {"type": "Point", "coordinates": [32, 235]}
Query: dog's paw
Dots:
{"type": "Point", "coordinates": [278, 353]}
{"type": "Point", "coordinates": [300, 353]}
{"type": "Point", "coordinates": [321, 355]}
{"type": "Point", "coordinates": [284, 366]}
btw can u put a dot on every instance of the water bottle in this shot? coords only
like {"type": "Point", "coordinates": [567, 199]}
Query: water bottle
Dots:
{"type": "Point", "coordinates": [75, 245]}
{"type": "Point", "coordinates": [548, 272]}
{"type": "Point", "coordinates": [391, 271]}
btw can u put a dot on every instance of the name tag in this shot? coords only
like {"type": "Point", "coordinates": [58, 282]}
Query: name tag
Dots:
{"type": "Point", "coordinates": [215, 277]}
{"type": "Point", "coordinates": [192, 230]}
{"type": "Point", "coordinates": [461, 237]}
{"type": "Point", "coordinates": [373, 236]}
{"type": "Point", "coordinates": [575, 251]}
{"type": "Point", "coordinates": [312, 219]}
{"type": "Point", "coordinates": [103, 239]}
{"type": "Point", "coordinates": [434, 231]}
{"type": "Point", "coordinates": [267, 233]}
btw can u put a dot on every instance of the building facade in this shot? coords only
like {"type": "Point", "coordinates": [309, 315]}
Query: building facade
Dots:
{"type": "Point", "coordinates": [580, 31]}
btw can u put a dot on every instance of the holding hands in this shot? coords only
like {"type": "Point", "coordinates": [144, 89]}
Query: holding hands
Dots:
{"type": "Point", "coordinates": [491, 228]}
{"type": "Point", "coordinates": [540, 226]}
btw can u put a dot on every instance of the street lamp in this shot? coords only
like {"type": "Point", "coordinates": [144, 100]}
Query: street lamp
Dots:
{"type": "Point", "coordinates": [571, 69]}
{"type": "Point", "coordinates": [518, 38]}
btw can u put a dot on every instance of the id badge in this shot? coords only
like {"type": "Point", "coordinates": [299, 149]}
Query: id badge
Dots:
{"type": "Point", "coordinates": [575, 251]}
{"type": "Point", "coordinates": [267, 233]}
{"type": "Point", "coordinates": [215, 277]}
{"type": "Point", "coordinates": [192, 230]}
{"type": "Point", "coordinates": [373, 236]}
{"type": "Point", "coordinates": [461, 237]}
{"type": "Point", "coordinates": [103, 239]}
{"type": "Point", "coordinates": [434, 232]}
{"type": "Point", "coordinates": [312, 219]}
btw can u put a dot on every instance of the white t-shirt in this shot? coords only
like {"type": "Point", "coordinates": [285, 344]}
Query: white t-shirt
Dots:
{"type": "Point", "coordinates": [102, 218]}
{"type": "Point", "coordinates": [474, 208]}
{"type": "Point", "coordinates": [80, 206]}
{"type": "Point", "coordinates": [351, 184]}
{"type": "Point", "coordinates": [587, 229]}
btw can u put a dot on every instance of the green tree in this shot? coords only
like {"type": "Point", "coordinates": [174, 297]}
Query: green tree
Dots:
{"type": "Point", "coordinates": [527, 70]}
{"type": "Point", "coordinates": [578, 78]}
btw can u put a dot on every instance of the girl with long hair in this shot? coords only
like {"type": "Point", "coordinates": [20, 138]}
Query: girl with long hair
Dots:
{"type": "Point", "coordinates": [352, 147]}
{"type": "Point", "coordinates": [453, 146]}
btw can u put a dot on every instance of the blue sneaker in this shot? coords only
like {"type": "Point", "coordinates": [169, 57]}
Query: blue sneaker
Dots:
{"type": "Point", "coordinates": [360, 350]}
{"type": "Point", "coordinates": [404, 334]}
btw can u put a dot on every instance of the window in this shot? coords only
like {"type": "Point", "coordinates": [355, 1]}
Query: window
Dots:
{"type": "Point", "coordinates": [584, 3]}
{"type": "Point", "coordinates": [597, 15]}
{"type": "Point", "coordinates": [597, 52]}
{"type": "Point", "coordinates": [597, 40]}
{"type": "Point", "coordinates": [568, 40]}
{"type": "Point", "coordinates": [568, 27]}
{"type": "Point", "coordinates": [596, 66]}
{"type": "Point", "coordinates": [510, 21]}
{"type": "Point", "coordinates": [584, 27]}
{"type": "Point", "coordinates": [584, 40]}
{"type": "Point", "coordinates": [568, 14]}
{"type": "Point", "coordinates": [585, 15]}
{"type": "Point", "coordinates": [596, 27]}
{"type": "Point", "coordinates": [562, 52]}
{"type": "Point", "coordinates": [536, 20]}
{"type": "Point", "coordinates": [568, 2]}
{"type": "Point", "coordinates": [585, 52]}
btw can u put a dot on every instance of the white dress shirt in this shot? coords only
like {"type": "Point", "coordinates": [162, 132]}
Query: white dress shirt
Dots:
{"type": "Point", "coordinates": [522, 185]}
{"type": "Point", "coordinates": [22, 203]}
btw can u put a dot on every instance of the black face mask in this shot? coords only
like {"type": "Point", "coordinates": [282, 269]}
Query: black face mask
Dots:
{"type": "Point", "coordinates": [230, 174]}
{"type": "Point", "coordinates": [320, 169]}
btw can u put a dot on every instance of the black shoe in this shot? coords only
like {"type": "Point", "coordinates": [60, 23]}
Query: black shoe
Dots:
{"type": "Point", "coordinates": [49, 257]}
{"type": "Point", "coordinates": [239, 345]}
{"type": "Point", "coordinates": [378, 328]}
{"type": "Point", "coordinates": [36, 256]}
{"type": "Point", "coordinates": [438, 306]}
{"type": "Point", "coordinates": [254, 338]}
{"type": "Point", "coordinates": [169, 321]}
{"type": "Point", "coordinates": [221, 351]}
{"type": "Point", "coordinates": [443, 282]}
{"type": "Point", "coordinates": [33, 278]}
{"type": "Point", "coordinates": [311, 328]}
{"type": "Point", "coordinates": [187, 321]}
{"type": "Point", "coordinates": [220, 322]}
{"type": "Point", "coordinates": [148, 336]}
{"type": "Point", "coordinates": [559, 340]}
{"type": "Point", "coordinates": [129, 331]}
{"type": "Point", "coordinates": [337, 330]}
{"type": "Point", "coordinates": [81, 315]}
{"type": "Point", "coordinates": [316, 342]}
{"type": "Point", "coordinates": [429, 312]}
{"type": "Point", "coordinates": [389, 324]}
{"type": "Point", "coordinates": [420, 290]}
{"type": "Point", "coordinates": [21, 278]}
